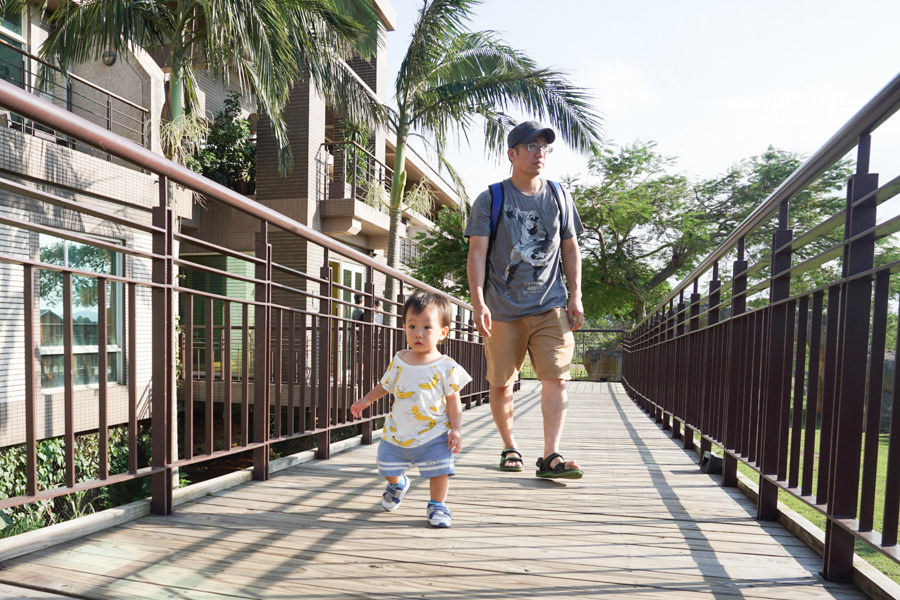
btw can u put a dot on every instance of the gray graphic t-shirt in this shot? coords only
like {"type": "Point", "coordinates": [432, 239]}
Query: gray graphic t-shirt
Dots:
{"type": "Point", "coordinates": [524, 271]}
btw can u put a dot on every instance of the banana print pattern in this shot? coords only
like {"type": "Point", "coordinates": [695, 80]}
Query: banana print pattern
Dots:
{"type": "Point", "coordinates": [419, 406]}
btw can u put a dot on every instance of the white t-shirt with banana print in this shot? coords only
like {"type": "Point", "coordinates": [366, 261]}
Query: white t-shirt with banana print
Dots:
{"type": "Point", "coordinates": [419, 409]}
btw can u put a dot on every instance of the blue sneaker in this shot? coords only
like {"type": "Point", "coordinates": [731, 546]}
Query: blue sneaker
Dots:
{"type": "Point", "coordinates": [439, 515]}
{"type": "Point", "coordinates": [393, 495]}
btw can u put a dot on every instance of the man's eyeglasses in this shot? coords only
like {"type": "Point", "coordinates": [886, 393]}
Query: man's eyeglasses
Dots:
{"type": "Point", "coordinates": [533, 147]}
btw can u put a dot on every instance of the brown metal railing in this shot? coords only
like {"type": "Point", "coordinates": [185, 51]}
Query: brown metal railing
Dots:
{"type": "Point", "coordinates": [213, 347]}
{"type": "Point", "coordinates": [75, 94]}
{"type": "Point", "coordinates": [351, 171]}
{"type": "Point", "coordinates": [786, 372]}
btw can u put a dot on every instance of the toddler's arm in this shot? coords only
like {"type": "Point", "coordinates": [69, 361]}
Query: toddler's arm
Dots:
{"type": "Point", "coordinates": [454, 412]}
{"type": "Point", "coordinates": [357, 408]}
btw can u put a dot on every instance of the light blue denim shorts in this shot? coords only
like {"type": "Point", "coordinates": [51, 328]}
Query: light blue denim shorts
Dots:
{"type": "Point", "coordinates": [432, 458]}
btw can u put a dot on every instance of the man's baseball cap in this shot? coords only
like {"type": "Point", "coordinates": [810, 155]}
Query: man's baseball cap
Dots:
{"type": "Point", "coordinates": [528, 131]}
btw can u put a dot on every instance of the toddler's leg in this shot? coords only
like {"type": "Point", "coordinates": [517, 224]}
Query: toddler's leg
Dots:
{"type": "Point", "coordinates": [438, 513]}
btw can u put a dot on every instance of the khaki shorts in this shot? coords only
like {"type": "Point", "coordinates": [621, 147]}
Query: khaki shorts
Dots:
{"type": "Point", "coordinates": [546, 337]}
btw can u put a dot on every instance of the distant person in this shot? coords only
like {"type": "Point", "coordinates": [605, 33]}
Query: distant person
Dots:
{"type": "Point", "coordinates": [378, 317]}
{"type": "Point", "coordinates": [519, 300]}
{"type": "Point", "coordinates": [358, 312]}
{"type": "Point", "coordinates": [424, 427]}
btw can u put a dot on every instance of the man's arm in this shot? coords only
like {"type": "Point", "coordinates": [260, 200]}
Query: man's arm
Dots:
{"type": "Point", "coordinates": [571, 258]}
{"type": "Point", "coordinates": [476, 267]}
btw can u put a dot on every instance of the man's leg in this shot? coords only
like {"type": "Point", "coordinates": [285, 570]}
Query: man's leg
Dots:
{"type": "Point", "coordinates": [554, 406]}
{"type": "Point", "coordinates": [501, 401]}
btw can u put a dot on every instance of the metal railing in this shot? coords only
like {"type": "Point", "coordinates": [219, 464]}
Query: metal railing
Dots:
{"type": "Point", "coordinates": [781, 362]}
{"type": "Point", "coordinates": [223, 346]}
{"type": "Point", "coordinates": [75, 94]}
{"type": "Point", "coordinates": [351, 171]}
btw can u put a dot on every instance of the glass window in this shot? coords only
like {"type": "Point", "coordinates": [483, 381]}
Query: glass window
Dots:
{"type": "Point", "coordinates": [85, 311]}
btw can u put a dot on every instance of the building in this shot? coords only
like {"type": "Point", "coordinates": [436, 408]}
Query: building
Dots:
{"type": "Point", "coordinates": [333, 188]}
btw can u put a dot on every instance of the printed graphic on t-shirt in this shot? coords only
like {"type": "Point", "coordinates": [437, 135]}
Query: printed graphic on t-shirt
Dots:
{"type": "Point", "coordinates": [532, 251]}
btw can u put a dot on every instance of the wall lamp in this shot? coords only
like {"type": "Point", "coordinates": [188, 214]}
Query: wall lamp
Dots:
{"type": "Point", "coordinates": [109, 57]}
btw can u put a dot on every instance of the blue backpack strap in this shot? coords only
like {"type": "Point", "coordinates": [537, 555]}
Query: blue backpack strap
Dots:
{"type": "Point", "coordinates": [562, 202]}
{"type": "Point", "coordinates": [496, 205]}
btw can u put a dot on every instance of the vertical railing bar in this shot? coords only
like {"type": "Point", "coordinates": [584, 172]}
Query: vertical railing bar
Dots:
{"type": "Point", "coordinates": [873, 403]}
{"type": "Point", "coordinates": [828, 395]}
{"type": "Point", "coordinates": [784, 419]}
{"type": "Point", "coordinates": [245, 373]}
{"type": "Point", "coordinates": [209, 406]}
{"type": "Point", "coordinates": [68, 378]}
{"type": "Point", "coordinates": [304, 380]}
{"type": "Point", "coordinates": [291, 370]}
{"type": "Point", "coordinates": [278, 369]}
{"type": "Point", "coordinates": [226, 375]}
{"type": "Point", "coordinates": [891, 515]}
{"type": "Point", "coordinates": [813, 394]}
{"type": "Point", "coordinates": [188, 362]}
{"type": "Point", "coordinates": [799, 380]}
{"type": "Point", "coordinates": [32, 373]}
{"type": "Point", "coordinates": [132, 378]}
{"type": "Point", "coordinates": [326, 330]}
{"type": "Point", "coordinates": [102, 384]}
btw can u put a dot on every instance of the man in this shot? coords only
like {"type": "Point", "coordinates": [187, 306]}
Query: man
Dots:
{"type": "Point", "coordinates": [518, 295]}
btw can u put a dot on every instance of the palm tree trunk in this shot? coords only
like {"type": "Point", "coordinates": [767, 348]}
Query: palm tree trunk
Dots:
{"type": "Point", "coordinates": [398, 183]}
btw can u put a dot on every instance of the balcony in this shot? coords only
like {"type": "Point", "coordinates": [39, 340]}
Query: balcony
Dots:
{"type": "Point", "coordinates": [73, 93]}
{"type": "Point", "coordinates": [354, 200]}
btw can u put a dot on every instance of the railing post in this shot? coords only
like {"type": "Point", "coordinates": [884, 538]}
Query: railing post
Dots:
{"type": "Point", "coordinates": [163, 354]}
{"type": "Point", "coordinates": [368, 350]}
{"type": "Point", "coordinates": [327, 368]}
{"type": "Point", "coordinates": [693, 394]}
{"type": "Point", "coordinates": [261, 362]}
{"type": "Point", "coordinates": [846, 432]}
{"type": "Point", "coordinates": [680, 374]}
{"type": "Point", "coordinates": [772, 397]}
{"type": "Point", "coordinates": [738, 338]}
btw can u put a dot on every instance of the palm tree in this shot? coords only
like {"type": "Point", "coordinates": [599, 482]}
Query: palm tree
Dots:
{"type": "Point", "coordinates": [264, 46]}
{"type": "Point", "coordinates": [450, 76]}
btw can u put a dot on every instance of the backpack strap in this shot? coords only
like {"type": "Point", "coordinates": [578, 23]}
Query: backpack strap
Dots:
{"type": "Point", "coordinates": [562, 202]}
{"type": "Point", "coordinates": [496, 190]}
{"type": "Point", "coordinates": [496, 206]}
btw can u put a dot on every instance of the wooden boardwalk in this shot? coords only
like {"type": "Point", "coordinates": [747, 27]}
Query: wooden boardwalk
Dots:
{"type": "Point", "coordinates": [644, 523]}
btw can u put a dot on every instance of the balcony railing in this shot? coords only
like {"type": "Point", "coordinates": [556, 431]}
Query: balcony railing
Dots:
{"type": "Point", "coordinates": [781, 361]}
{"type": "Point", "coordinates": [75, 94]}
{"type": "Point", "coordinates": [352, 172]}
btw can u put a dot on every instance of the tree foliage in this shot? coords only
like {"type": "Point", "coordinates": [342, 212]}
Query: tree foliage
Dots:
{"type": "Point", "coordinates": [646, 226]}
{"type": "Point", "coordinates": [443, 251]}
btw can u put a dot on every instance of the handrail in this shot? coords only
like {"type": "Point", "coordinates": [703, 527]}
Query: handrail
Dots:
{"type": "Point", "coordinates": [884, 104]}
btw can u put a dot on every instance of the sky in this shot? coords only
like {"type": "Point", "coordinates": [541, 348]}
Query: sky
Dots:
{"type": "Point", "coordinates": [711, 82]}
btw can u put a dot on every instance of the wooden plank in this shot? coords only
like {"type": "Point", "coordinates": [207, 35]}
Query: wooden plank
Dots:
{"type": "Point", "coordinates": [644, 522]}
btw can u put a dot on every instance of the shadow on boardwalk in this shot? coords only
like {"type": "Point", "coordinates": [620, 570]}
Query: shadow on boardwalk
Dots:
{"type": "Point", "coordinates": [644, 523]}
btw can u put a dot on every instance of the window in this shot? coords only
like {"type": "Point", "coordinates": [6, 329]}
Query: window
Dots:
{"type": "Point", "coordinates": [12, 61]}
{"type": "Point", "coordinates": [85, 311]}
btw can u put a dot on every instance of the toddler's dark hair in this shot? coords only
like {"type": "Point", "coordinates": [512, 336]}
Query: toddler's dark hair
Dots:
{"type": "Point", "coordinates": [418, 302]}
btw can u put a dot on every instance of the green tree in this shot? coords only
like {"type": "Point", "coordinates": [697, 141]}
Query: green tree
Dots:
{"type": "Point", "coordinates": [443, 252]}
{"type": "Point", "coordinates": [265, 46]}
{"type": "Point", "coordinates": [450, 76]}
{"type": "Point", "coordinates": [228, 154]}
{"type": "Point", "coordinates": [645, 226]}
